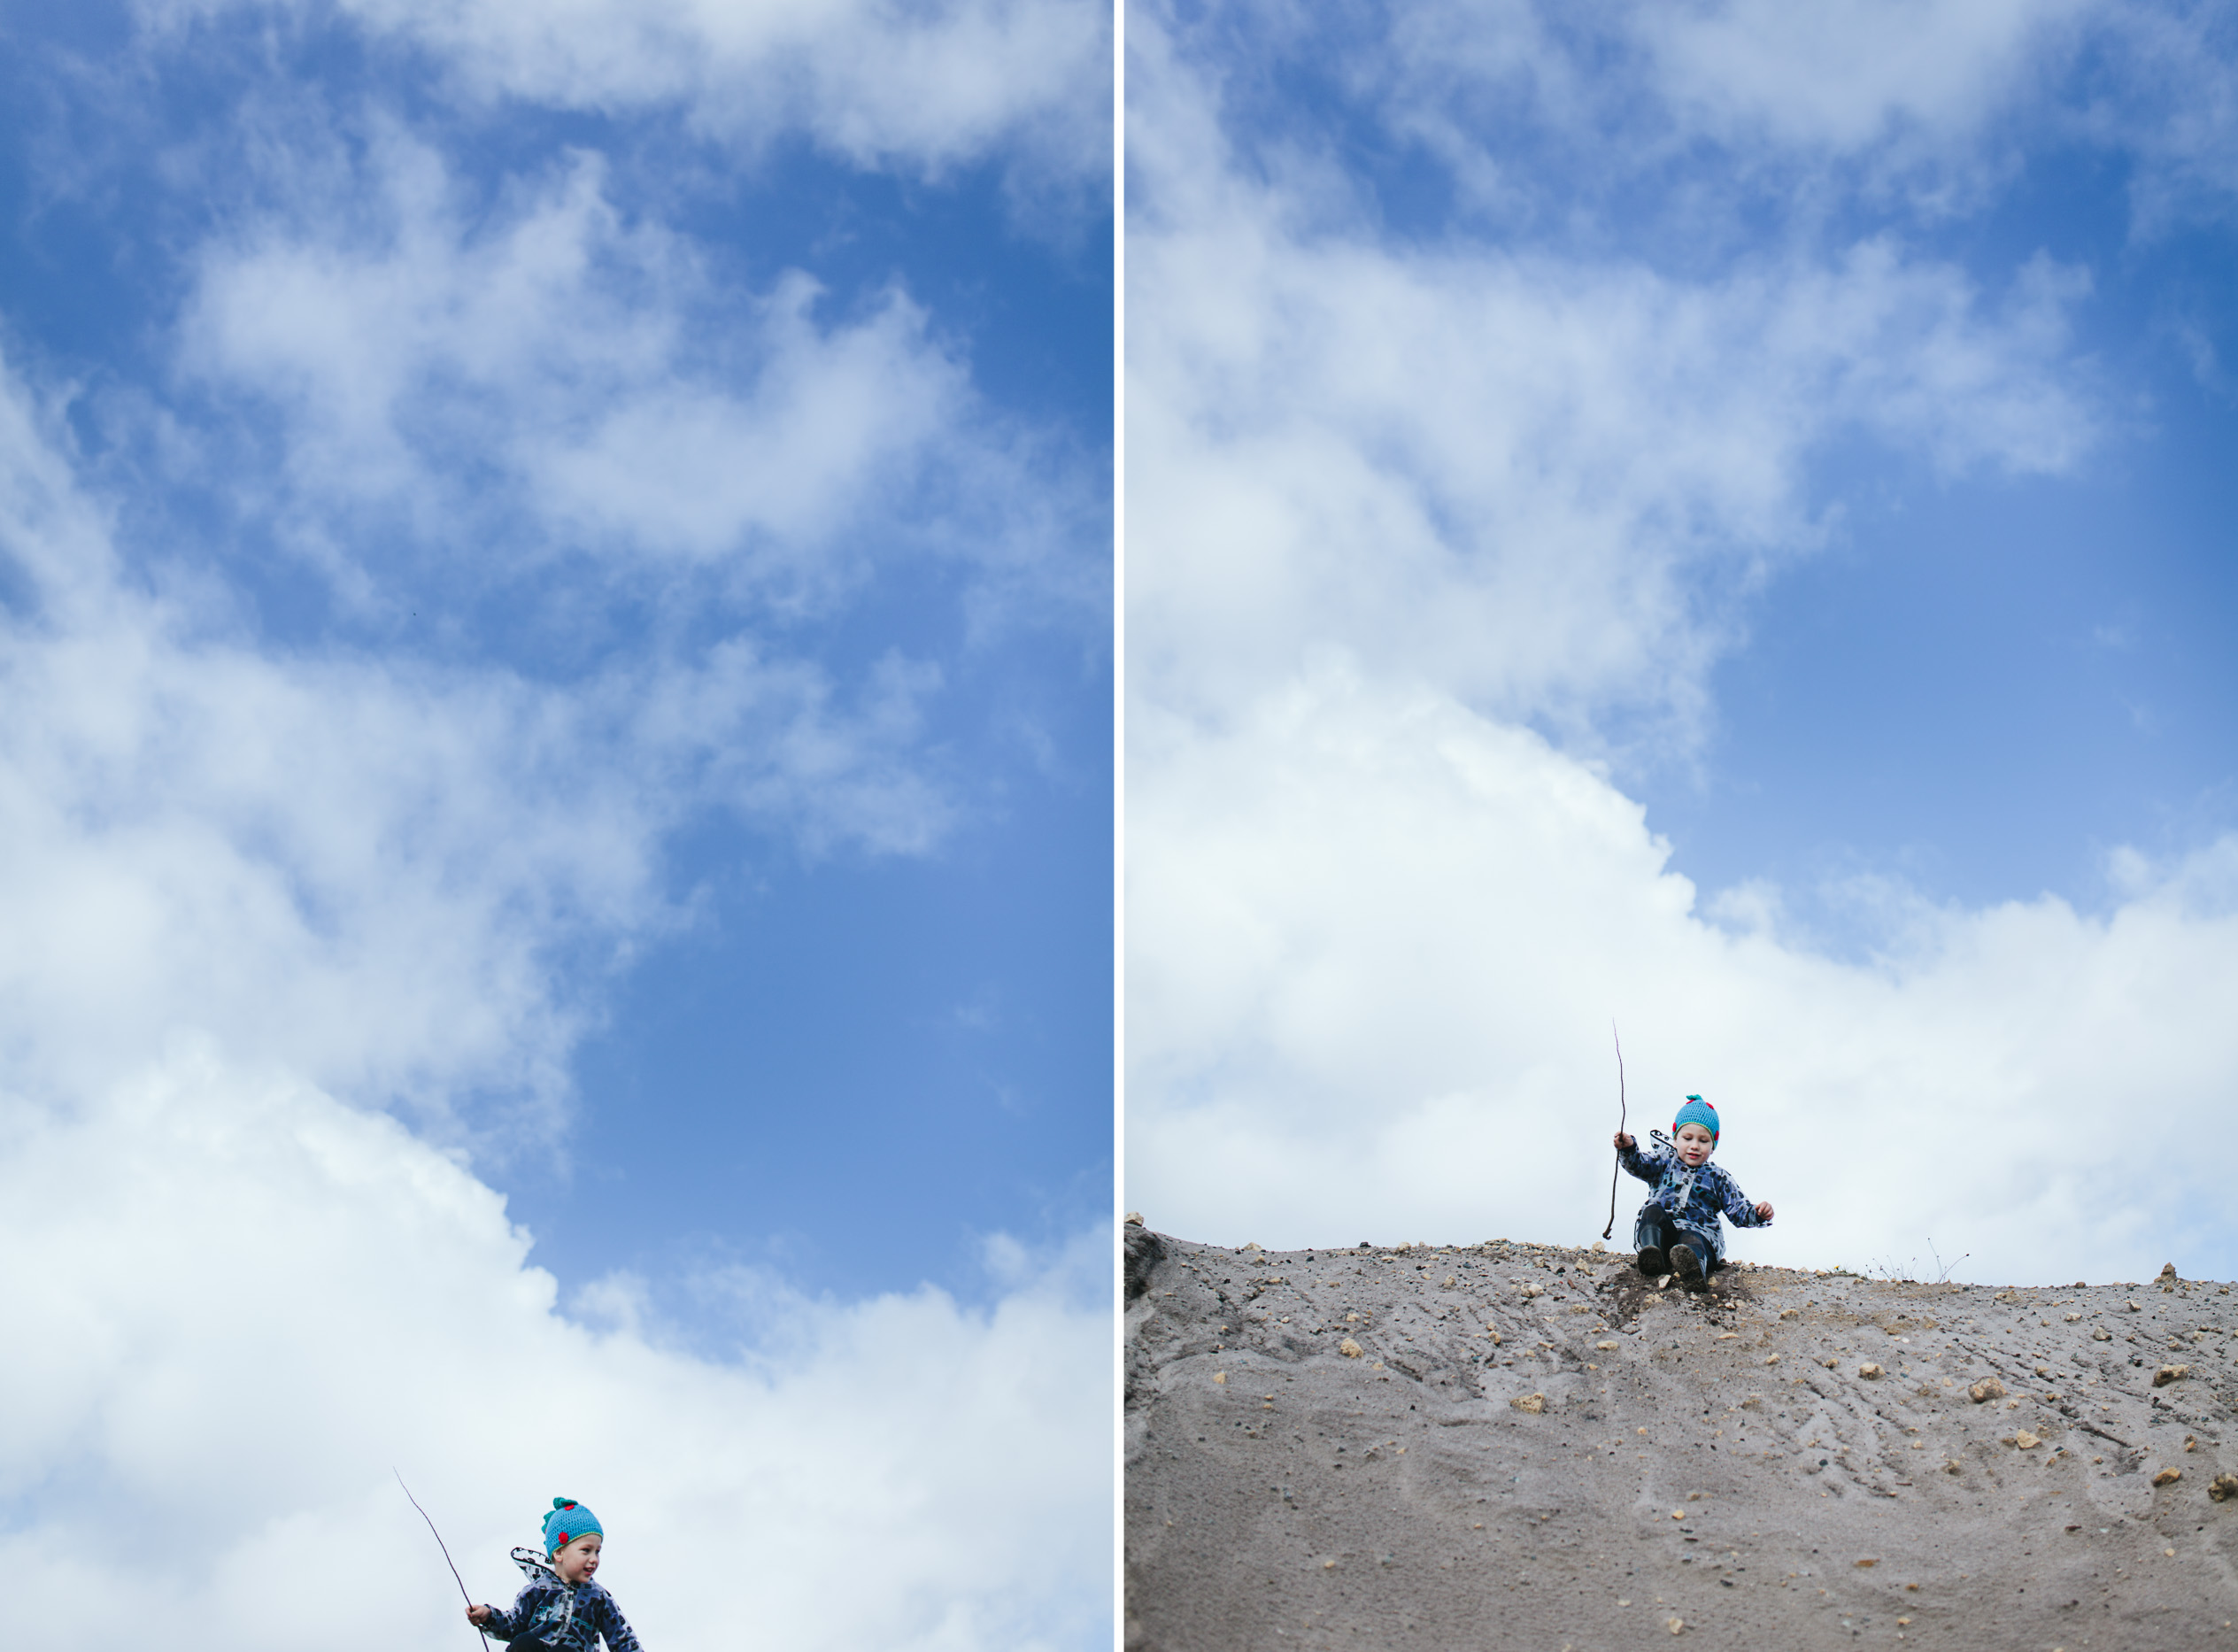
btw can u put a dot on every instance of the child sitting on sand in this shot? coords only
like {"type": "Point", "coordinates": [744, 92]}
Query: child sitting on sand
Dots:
{"type": "Point", "coordinates": [1677, 1231]}
{"type": "Point", "coordinates": [561, 1608]}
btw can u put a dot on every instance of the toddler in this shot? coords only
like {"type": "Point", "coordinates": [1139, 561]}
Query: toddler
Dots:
{"type": "Point", "coordinates": [561, 1608]}
{"type": "Point", "coordinates": [1677, 1231]}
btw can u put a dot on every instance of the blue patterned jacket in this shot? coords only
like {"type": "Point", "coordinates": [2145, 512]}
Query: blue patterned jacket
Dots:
{"type": "Point", "coordinates": [1692, 1198]}
{"type": "Point", "coordinates": [570, 1617]}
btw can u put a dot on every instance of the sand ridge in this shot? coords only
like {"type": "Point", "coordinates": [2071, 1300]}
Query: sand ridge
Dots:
{"type": "Point", "coordinates": [1533, 1447]}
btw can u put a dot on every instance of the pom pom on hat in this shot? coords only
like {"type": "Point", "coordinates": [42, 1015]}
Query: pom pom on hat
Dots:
{"type": "Point", "coordinates": [568, 1521]}
{"type": "Point", "coordinates": [1696, 1111]}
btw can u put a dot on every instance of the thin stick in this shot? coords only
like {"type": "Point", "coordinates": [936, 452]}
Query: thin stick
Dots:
{"type": "Point", "coordinates": [481, 1634]}
{"type": "Point", "coordinates": [1623, 1114]}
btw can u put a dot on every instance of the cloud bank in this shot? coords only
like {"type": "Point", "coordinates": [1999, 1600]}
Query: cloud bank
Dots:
{"type": "Point", "coordinates": [240, 1303]}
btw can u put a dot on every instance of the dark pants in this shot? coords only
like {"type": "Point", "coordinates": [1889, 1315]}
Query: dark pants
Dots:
{"type": "Point", "coordinates": [1655, 1231]}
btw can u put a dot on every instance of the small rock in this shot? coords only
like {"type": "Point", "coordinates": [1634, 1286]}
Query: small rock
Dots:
{"type": "Point", "coordinates": [1676, 1624]}
{"type": "Point", "coordinates": [2099, 1333]}
{"type": "Point", "coordinates": [1134, 1218]}
{"type": "Point", "coordinates": [2167, 1374]}
{"type": "Point", "coordinates": [2168, 1269]}
{"type": "Point", "coordinates": [2223, 1487]}
{"type": "Point", "coordinates": [1678, 1514]}
{"type": "Point", "coordinates": [1771, 1359]}
{"type": "Point", "coordinates": [2167, 1477]}
{"type": "Point", "coordinates": [1532, 1289]}
{"type": "Point", "coordinates": [1533, 1403]}
{"type": "Point", "coordinates": [1600, 1244]}
{"type": "Point", "coordinates": [2025, 1441]}
{"type": "Point", "coordinates": [1790, 1313]}
{"type": "Point", "coordinates": [1350, 1349]}
{"type": "Point", "coordinates": [1606, 1347]}
{"type": "Point", "coordinates": [1866, 1564]}
{"type": "Point", "coordinates": [2191, 1443]}
{"type": "Point", "coordinates": [1870, 1371]}
{"type": "Point", "coordinates": [1987, 1388]}
{"type": "Point", "coordinates": [1952, 1466]}
{"type": "Point", "coordinates": [1448, 1282]}
{"type": "Point", "coordinates": [2072, 1318]}
{"type": "Point", "coordinates": [1220, 1377]}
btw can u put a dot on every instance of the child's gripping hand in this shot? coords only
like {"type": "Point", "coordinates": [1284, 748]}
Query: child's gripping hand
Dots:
{"type": "Point", "coordinates": [1763, 1211]}
{"type": "Point", "coordinates": [1623, 1142]}
{"type": "Point", "coordinates": [478, 1616]}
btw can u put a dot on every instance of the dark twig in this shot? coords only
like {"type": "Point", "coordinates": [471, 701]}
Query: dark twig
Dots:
{"type": "Point", "coordinates": [481, 1634]}
{"type": "Point", "coordinates": [1623, 1114]}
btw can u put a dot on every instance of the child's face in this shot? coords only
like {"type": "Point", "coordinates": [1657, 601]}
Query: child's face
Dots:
{"type": "Point", "coordinates": [580, 1559]}
{"type": "Point", "coordinates": [1695, 1143]}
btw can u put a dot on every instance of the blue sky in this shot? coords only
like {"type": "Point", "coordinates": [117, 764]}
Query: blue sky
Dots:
{"type": "Point", "coordinates": [1717, 515]}
{"type": "Point", "coordinates": [558, 604]}
{"type": "Point", "coordinates": [851, 1063]}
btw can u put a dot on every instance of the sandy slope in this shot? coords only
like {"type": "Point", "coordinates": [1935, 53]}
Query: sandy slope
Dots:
{"type": "Point", "coordinates": [1397, 1498]}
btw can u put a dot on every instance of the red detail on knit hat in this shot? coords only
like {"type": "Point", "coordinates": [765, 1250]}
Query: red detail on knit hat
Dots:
{"type": "Point", "coordinates": [563, 1536]}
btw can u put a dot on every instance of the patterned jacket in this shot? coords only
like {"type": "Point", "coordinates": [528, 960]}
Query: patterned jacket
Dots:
{"type": "Point", "coordinates": [1694, 1198]}
{"type": "Point", "coordinates": [568, 1616]}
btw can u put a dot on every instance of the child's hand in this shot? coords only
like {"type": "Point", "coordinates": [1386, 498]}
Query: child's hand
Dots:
{"type": "Point", "coordinates": [478, 1616]}
{"type": "Point", "coordinates": [1763, 1211]}
{"type": "Point", "coordinates": [1623, 1142]}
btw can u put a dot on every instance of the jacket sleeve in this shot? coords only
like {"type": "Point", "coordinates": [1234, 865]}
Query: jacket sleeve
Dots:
{"type": "Point", "coordinates": [619, 1636]}
{"type": "Point", "coordinates": [1739, 1211]}
{"type": "Point", "coordinates": [1640, 1164]}
{"type": "Point", "coordinates": [504, 1625]}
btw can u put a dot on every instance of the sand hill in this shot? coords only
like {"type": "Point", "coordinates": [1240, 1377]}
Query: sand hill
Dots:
{"type": "Point", "coordinates": [1513, 1445]}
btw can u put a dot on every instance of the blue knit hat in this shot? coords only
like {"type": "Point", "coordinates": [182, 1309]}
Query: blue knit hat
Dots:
{"type": "Point", "coordinates": [1697, 1111]}
{"type": "Point", "coordinates": [568, 1521]}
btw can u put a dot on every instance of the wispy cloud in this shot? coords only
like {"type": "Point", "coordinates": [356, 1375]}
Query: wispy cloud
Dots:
{"type": "Point", "coordinates": [362, 867]}
{"type": "Point", "coordinates": [554, 384]}
{"type": "Point", "coordinates": [1535, 478]}
{"type": "Point", "coordinates": [921, 88]}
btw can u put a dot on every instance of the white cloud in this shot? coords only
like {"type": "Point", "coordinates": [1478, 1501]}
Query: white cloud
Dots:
{"type": "Point", "coordinates": [1848, 76]}
{"type": "Point", "coordinates": [1534, 479]}
{"type": "Point", "coordinates": [1376, 942]}
{"type": "Point", "coordinates": [237, 1303]}
{"type": "Point", "coordinates": [921, 88]}
{"type": "Point", "coordinates": [548, 380]}
{"type": "Point", "coordinates": [355, 867]}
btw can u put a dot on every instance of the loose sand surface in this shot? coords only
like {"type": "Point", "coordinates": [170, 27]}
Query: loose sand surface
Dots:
{"type": "Point", "coordinates": [1785, 1460]}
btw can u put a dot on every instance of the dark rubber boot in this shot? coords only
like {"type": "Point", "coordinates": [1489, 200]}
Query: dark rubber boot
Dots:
{"type": "Point", "coordinates": [1688, 1266]}
{"type": "Point", "coordinates": [1653, 1263]}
